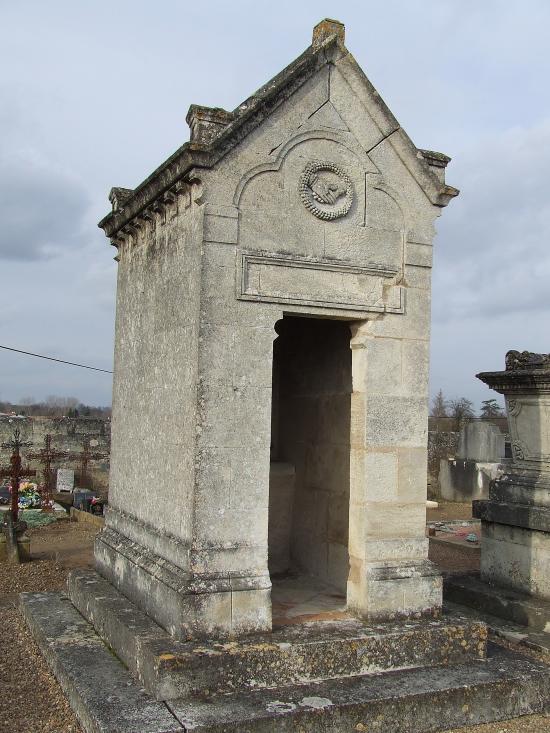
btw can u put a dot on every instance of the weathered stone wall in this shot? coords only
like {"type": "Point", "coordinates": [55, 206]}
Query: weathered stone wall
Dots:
{"type": "Point", "coordinates": [68, 434]}
{"type": "Point", "coordinates": [155, 376]}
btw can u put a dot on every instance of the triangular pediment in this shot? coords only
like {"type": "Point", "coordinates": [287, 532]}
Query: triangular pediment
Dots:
{"type": "Point", "coordinates": [215, 132]}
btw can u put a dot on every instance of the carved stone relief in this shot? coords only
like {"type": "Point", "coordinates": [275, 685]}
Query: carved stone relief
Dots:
{"type": "Point", "coordinates": [326, 190]}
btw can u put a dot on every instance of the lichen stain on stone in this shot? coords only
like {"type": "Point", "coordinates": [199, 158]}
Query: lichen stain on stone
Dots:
{"type": "Point", "coordinates": [166, 656]}
{"type": "Point", "coordinates": [316, 702]}
{"type": "Point", "coordinates": [276, 706]}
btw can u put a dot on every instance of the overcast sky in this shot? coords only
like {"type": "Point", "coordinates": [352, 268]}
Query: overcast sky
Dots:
{"type": "Point", "coordinates": [94, 95]}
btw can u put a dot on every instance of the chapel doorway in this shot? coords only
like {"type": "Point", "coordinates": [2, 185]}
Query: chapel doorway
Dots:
{"type": "Point", "coordinates": [310, 464]}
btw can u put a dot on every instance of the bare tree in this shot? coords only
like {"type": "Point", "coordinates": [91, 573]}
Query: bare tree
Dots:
{"type": "Point", "coordinates": [461, 409]}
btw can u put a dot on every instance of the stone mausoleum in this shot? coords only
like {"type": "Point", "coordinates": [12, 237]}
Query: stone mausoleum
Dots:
{"type": "Point", "coordinates": [269, 436]}
{"type": "Point", "coordinates": [274, 308]}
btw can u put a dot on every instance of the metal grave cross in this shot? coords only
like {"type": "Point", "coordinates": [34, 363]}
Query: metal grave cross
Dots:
{"type": "Point", "coordinates": [15, 471]}
{"type": "Point", "coordinates": [84, 457]}
{"type": "Point", "coordinates": [46, 456]}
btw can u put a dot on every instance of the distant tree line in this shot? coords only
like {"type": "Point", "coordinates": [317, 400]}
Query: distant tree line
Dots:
{"type": "Point", "coordinates": [461, 409]}
{"type": "Point", "coordinates": [54, 406]}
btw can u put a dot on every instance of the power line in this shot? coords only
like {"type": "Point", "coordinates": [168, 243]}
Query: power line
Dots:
{"type": "Point", "coordinates": [50, 358]}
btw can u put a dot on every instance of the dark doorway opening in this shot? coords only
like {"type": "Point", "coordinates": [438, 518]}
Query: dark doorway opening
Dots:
{"type": "Point", "coordinates": [309, 478]}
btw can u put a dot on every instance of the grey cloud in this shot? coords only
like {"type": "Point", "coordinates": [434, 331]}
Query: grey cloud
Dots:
{"type": "Point", "coordinates": [41, 209]}
{"type": "Point", "coordinates": [493, 253]}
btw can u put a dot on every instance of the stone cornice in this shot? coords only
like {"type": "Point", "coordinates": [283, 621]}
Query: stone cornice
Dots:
{"type": "Point", "coordinates": [517, 381]}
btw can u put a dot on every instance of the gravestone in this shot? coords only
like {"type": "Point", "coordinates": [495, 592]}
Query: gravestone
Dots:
{"type": "Point", "coordinates": [481, 441]}
{"type": "Point", "coordinates": [477, 464]}
{"type": "Point", "coordinates": [273, 315]}
{"type": "Point", "coordinates": [65, 479]}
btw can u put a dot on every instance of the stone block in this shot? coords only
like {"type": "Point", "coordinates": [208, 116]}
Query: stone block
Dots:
{"type": "Point", "coordinates": [250, 611]}
{"type": "Point", "coordinates": [412, 473]}
{"type": "Point", "coordinates": [499, 601]}
{"type": "Point", "coordinates": [382, 519]}
{"type": "Point", "coordinates": [383, 366]}
{"type": "Point", "coordinates": [380, 479]}
{"type": "Point", "coordinates": [418, 277]}
{"type": "Point", "coordinates": [221, 225]}
{"type": "Point", "coordinates": [396, 421]}
{"type": "Point", "coordinates": [517, 558]}
{"type": "Point", "coordinates": [392, 589]}
{"type": "Point", "coordinates": [415, 324]}
{"type": "Point", "coordinates": [418, 254]}
{"type": "Point", "coordinates": [415, 368]}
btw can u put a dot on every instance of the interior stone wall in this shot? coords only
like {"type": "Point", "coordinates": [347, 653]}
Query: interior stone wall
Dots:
{"type": "Point", "coordinates": [314, 366]}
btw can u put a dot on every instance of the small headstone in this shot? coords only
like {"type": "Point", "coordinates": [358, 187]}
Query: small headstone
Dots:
{"type": "Point", "coordinates": [65, 479]}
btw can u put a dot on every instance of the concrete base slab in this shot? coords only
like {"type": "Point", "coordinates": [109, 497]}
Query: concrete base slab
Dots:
{"type": "Point", "coordinates": [293, 654]}
{"type": "Point", "coordinates": [107, 699]}
{"type": "Point", "coordinates": [470, 590]}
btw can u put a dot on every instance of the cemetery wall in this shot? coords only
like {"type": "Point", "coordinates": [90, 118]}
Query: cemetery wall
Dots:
{"type": "Point", "coordinates": [68, 434]}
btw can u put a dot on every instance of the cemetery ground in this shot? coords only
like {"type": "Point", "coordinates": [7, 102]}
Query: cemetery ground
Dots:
{"type": "Point", "coordinates": [31, 701]}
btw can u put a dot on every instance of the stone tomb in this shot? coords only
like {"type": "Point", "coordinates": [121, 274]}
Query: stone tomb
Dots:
{"type": "Point", "coordinates": [270, 424]}
{"type": "Point", "coordinates": [515, 520]}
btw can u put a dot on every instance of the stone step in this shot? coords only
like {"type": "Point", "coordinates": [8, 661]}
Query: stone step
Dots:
{"type": "Point", "coordinates": [295, 654]}
{"type": "Point", "coordinates": [470, 590]}
{"type": "Point", "coordinates": [521, 636]}
{"type": "Point", "coordinates": [107, 699]}
{"type": "Point", "coordinates": [430, 700]}
{"type": "Point", "coordinates": [101, 691]}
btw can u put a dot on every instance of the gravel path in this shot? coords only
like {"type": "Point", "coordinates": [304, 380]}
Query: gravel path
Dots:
{"type": "Point", "coordinates": [31, 701]}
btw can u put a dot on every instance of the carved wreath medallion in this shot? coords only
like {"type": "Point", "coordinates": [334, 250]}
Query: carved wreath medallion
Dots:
{"type": "Point", "coordinates": [326, 190]}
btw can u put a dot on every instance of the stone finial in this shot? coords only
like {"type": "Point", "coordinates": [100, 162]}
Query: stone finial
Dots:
{"type": "Point", "coordinates": [206, 123]}
{"type": "Point", "coordinates": [525, 360]}
{"type": "Point", "coordinates": [119, 196]}
{"type": "Point", "coordinates": [327, 28]}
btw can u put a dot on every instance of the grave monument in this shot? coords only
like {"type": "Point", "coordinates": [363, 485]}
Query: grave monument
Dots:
{"type": "Point", "coordinates": [515, 519]}
{"type": "Point", "coordinates": [270, 413]}
{"type": "Point", "coordinates": [467, 476]}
